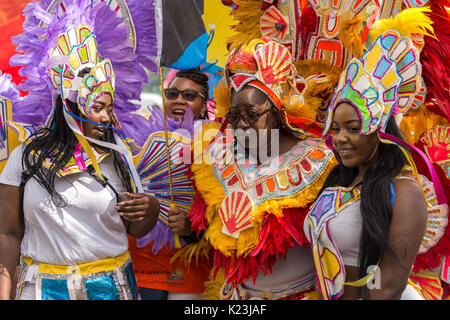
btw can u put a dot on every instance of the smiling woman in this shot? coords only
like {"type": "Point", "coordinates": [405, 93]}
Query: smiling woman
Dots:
{"type": "Point", "coordinates": [159, 276]}
{"type": "Point", "coordinates": [354, 149]}
{"type": "Point", "coordinates": [371, 211]}
{"type": "Point", "coordinates": [189, 89]}
{"type": "Point", "coordinates": [59, 180]}
{"type": "Point", "coordinates": [62, 208]}
{"type": "Point", "coordinates": [256, 197]}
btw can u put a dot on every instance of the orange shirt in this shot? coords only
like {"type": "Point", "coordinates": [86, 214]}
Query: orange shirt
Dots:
{"type": "Point", "coordinates": [156, 272]}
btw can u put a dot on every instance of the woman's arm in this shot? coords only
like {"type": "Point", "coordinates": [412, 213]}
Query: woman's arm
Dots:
{"type": "Point", "coordinates": [11, 233]}
{"type": "Point", "coordinates": [409, 221]}
{"type": "Point", "coordinates": [139, 214]}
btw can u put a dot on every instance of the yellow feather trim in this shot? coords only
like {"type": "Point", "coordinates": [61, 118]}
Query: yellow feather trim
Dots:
{"type": "Point", "coordinates": [213, 193]}
{"type": "Point", "coordinates": [222, 97]}
{"type": "Point", "coordinates": [213, 286]}
{"type": "Point", "coordinates": [248, 15]}
{"type": "Point", "coordinates": [196, 250]}
{"type": "Point", "coordinates": [407, 22]}
{"type": "Point", "coordinates": [307, 67]}
{"type": "Point", "coordinates": [230, 246]}
{"type": "Point", "coordinates": [350, 34]}
{"type": "Point", "coordinates": [302, 108]}
{"type": "Point", "coordinates": [319, 92]}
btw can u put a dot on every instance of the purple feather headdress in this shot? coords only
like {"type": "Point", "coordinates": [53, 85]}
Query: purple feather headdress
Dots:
{"type": "Point", "coordinates": [8, 89]}
{"type": "Point", "coordinates": [41, 31]}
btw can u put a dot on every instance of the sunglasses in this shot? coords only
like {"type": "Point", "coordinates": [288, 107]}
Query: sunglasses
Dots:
{"type": "Point", "coordinates": [188, 95]}
{"type": "Point", "coordinates": [250, 117]}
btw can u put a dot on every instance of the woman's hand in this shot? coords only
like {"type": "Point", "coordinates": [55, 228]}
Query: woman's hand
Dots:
{"type": "Point", "coordinates": [138, 207]}
{"type": "Point", "coordinates": [139, 213]}
{"type": "Point", "coordinates": [178, 223]}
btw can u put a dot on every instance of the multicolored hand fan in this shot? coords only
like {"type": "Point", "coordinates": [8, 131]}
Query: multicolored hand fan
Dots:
{"type": "Point", "coordinates": [152, 167]}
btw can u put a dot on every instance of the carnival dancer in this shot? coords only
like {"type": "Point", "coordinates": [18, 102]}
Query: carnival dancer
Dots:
{"type": "Point", "coordinates": [70, 193]}
{"type": "Point", "coordinates": [255, 198]}
{"type": "Point", "coordinates": [368, 223]}
{"type": "Point", "coordinates": [158, 277]}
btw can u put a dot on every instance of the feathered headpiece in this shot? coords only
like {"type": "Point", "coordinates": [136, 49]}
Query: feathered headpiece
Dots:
{"type": "Point", "coordinates": [65, 39]}
{"type": "Point", "coordinates": [267, 66]}
{"type": "Point", "coordinates": [384, 82]}
{"type": "Point", "coordinates": [71, 35]}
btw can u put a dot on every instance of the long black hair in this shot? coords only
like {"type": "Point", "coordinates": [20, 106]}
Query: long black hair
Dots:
{"type": "Point", "coordinates": [58, 144]}
{"type": "Point", "coordinates": [376, 207]}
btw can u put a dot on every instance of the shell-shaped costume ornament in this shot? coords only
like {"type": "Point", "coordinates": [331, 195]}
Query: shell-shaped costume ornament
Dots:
{"type": "Point", "coordinates": [242, 60]}
{"type": "Point", "coordinates": [235, 212]}
{"type": "Point", "coordinates": [152, 166]}
{"type": "Point", "coordinates": [273, 24]}
{"type": "Point", "coordinates": [437, 217]}
{"type": "Point", "coordinates": [436, 143]}
{"type": "Point", "coordinates": [274, 63]}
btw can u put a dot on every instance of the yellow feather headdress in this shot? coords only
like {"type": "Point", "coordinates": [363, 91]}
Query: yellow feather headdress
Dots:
{"type": "Point", "coordinates": [409, 22]}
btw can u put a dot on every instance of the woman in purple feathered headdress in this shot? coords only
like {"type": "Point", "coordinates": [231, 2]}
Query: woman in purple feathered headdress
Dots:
{"type": "Point", "coordinates": [69, 195]}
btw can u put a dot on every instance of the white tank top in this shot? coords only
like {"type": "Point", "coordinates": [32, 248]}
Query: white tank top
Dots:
{"type": "Point", "coordinates": [345, 230]}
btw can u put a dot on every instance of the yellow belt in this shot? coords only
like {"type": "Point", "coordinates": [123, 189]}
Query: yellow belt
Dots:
{"type": "Point", "coordinates": [108, 264]}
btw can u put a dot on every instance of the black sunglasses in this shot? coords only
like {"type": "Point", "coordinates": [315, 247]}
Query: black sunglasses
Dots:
{"type": "Point", "coordinates": [188, 95]}
{"type": "Point", "coordinates": [250, 117]}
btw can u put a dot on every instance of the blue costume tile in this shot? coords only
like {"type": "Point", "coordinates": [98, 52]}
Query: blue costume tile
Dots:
{"type": "Point", "coordinates": [54, 289]}
{"type": "Point", "coordinates": [102, 288]}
